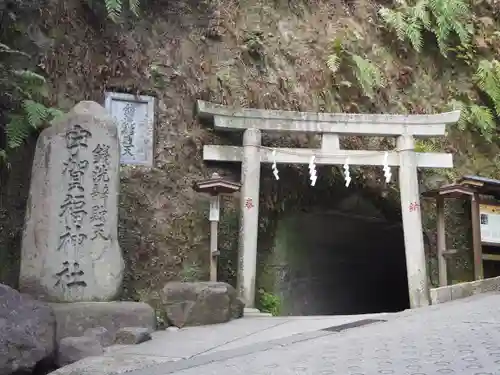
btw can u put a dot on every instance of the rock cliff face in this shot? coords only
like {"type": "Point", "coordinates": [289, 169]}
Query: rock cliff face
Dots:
{"type": "Point", "coordinates": [251, 53]}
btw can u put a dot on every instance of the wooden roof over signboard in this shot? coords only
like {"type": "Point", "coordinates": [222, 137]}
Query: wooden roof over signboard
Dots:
{"type": "Point", "coordinates": [216, 185]}
{"type": "Point", "coordinates": [467, 186]}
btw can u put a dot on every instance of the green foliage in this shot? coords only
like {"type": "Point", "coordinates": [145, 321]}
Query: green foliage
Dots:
{"type": "Point", "coordinates": [115, 8]}
{"type": "Point", "coordinates": [190, 272]}
{"type": "Point", "coordinates": [333, 62]}
{"type": "Point", "coordinates": [446, 19]}
{"type": "Point", "coordinates": [487, 78]}
{"type": "Point", "coordinates": [427, 145]}
{"type": "Point", "coordinates": [482, 117]}
{"type": "Point", "coordinates": [466, 53]}
{"type": "Point", "coordinates": [269, 302]}
{"type": "Point", "coordinates": [450, 21]}
{"type": "Point", "coordinates": [366, 72]}
{"type": "Point", "coordinates": [26, 92]}
{"type": "Point", "coordinates": [33, 115]}
{"type": "Point", "coordinates": [408, 22]}
{"type": "Point", "coordinates": [475, 117]}
{"type": "Point", "coordinates": [368, 75]}
{"type": "Point", "coordinates": [334, 59]}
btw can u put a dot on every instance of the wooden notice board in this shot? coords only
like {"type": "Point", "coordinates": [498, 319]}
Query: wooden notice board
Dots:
{"type": "Point", "coordinates": [490, 224]}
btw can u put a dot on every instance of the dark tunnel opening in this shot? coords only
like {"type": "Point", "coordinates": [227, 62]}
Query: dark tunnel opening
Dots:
{"type": "Point", "coordinates": [337, 263]}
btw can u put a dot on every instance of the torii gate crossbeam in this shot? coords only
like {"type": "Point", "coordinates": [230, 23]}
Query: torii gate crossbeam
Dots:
{"type": "Point", "coordinates": [253, 121]}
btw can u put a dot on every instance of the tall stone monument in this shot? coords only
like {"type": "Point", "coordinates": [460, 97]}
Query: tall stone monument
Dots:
{"type": "Point", "coordinates": [70, 249]}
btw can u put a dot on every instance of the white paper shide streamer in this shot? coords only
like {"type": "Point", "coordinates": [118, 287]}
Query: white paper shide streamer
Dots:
{"type": "Point", "coordinates": [274, 167]}
{"type": "Point", "coordinates": [313, 176]}
{"type": "Point", "coordinates": [312, 171]}
{"type": "Point", "coordinates": [347, 174]}
{"type": "Point", "coordinates": [387, 169]}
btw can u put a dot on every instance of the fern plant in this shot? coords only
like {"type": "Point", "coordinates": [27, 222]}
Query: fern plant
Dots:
{"type": "Point", "coordinates": [487, 78]}
{"type": "Point", "coordinates": [25, 92]}
{"type": "Point", "coordinates": [33, 115]}
{"type": "Point", "coordinates": [476, 117]}
{"type": "Point", "coordinates": [115, 8]}
{"type": "Point", "coordinates": [444, 18]}
{"type": "Point", "coordinates": [334, 59]}
{"type": "Point", "coordinates": [333, 62]}
{"type": "Point", "coordinates": [427, 145]}
{"type": "Point", "coordinates": [367, 73]}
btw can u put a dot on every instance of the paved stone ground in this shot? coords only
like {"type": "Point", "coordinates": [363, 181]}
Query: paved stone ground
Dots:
{"type": "Point", "coordinates": [191, 342]}
{"type": "Point", "coordinates": [461, 337]}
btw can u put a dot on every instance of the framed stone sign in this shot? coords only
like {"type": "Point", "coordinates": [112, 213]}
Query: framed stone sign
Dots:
{"type": "Point", "coordinates": [136, 117]}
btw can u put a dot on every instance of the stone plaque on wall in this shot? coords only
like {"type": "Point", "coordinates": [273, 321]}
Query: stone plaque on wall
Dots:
{"type": "Point", "coordinates": [135, 117]}
{"type": "Point", "coordinates": [70, 249]}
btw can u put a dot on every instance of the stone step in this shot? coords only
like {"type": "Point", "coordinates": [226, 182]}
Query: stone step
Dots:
{"type": "Point", "coordinates": [250, 312]}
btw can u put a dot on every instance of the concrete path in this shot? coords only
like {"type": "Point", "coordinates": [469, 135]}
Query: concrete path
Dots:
{"type": "Point", "coordinates": [461, 337]}
{"type": "Point", "coordinates": [202, 343]}
{"type": "Point", "coordinates": [195, 341]}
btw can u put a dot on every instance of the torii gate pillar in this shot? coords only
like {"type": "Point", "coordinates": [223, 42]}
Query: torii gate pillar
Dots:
{"type": "Point", "coordinates": [412, 223]}
{"type": "Point", "coordinates": [249, 219]}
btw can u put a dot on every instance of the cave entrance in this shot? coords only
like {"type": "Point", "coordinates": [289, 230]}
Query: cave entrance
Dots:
{"type": "Point", "coordinates": [405, 127]}
{"type": "Point", "coordinates": [341, 261]}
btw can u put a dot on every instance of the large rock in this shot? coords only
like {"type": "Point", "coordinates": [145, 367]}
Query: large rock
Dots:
{"type": "Point", "coordinates": [237, 308]}
{"type": "Point", "coordinates": [72, 349]}
{"type": "Point", "coordinates": [27, 331]}
{"type": "Point", "coordinates": [101, 334]}
{"type": "Point", "coordinates": [132, 336]}
{"type": "Point", "coordinates": [70, 248]}
{"type": "Point", "coordinates": [199, 303]}
{"type": "Point", "coordinates": [74, 319]}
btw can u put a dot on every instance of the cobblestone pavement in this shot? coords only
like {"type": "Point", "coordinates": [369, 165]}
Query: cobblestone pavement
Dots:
{"type": "Point", "coordinates": [461, 337]}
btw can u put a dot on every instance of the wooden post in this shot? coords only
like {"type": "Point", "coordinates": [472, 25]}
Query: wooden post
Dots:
{"type": "Point", "coordinates": [476, 238]}
{"type": "Point", "coordinates": [214, 218]}
{"type": "Point", "coordinates": [249, 223]}
{"type": "Point", "coordinates": [215, 186]}
{"type": "Point", "coordinates": [416, 267]}
{"type": "Point", "coordinates": [441, 242]}
{"type": "Point", "coordinates": [214, 253]}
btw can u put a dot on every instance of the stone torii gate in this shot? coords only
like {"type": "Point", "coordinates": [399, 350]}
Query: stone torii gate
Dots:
{"type": "Point", "coordinates": [330, 125]}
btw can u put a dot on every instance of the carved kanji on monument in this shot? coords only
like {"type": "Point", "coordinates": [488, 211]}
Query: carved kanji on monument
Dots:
{"type": "Point", "coordinates": [70, 249]}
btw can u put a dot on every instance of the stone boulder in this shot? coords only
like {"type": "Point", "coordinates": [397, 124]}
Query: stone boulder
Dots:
{"type": "Point", "coordinates": [27, 331]}
{"type": "Point", "coordinates": [74, 319]}
{"type": "Point", "coordinates": [200, 303]}
{"type": "Point", "coordinates": [237, 308]}
{"type": "Point", "coordinates": [132, 336]}
{"type": "Point", "coordinates": [101, 334]}
{"type": "Point", "coordinates": [72, 349]}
